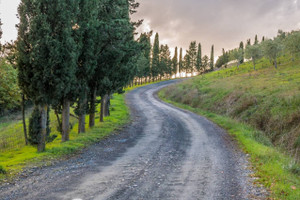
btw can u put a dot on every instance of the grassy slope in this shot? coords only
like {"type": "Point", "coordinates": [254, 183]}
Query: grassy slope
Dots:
{"type": "Point", "coordinates": [232, 97]}
{"type": "Point", "coordinates": [15, 159]}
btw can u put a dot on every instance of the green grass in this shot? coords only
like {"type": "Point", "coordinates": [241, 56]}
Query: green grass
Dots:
{"type": "Point", "coordinates": [12, 161]}
{"type": "Point", "coordinates": [239, 100]}
{"type": "Point", "coordinates": [15, 156]}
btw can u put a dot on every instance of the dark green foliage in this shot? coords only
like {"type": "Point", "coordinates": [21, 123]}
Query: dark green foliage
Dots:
{"type": "Point", "coordinates": [165, 64]}
{"type": "Point", "coordinates": [175, 62]}
{"type": "Point", "coordinates": [243, 51]}
{"type": "Point", "coordinates": [2, 170]}
{"type": "Point", "coordinates": [186, 63]}
{"type": "Point", "coordinates": [205, 62]}
{"type": "Point", "coordinates": [47, 50]}
{"type": "Point", "coordinates": [144, 68]}
{"type": "Point", "coordinates": [212, 58]}
{"type": "Point", "coordinates": [155, 57]}
{"type": "Point", "coordinates": [256, 40]}
{"type": "Point", "coordinates": [191, 58]}
{"type": "Point", "coordinates": [180, 62]}
{"type": "Point", "coordinates": [199, 58]}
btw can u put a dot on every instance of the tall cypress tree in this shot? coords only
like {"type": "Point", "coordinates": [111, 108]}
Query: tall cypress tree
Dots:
{"type": "Point", "coordinates": [243, 52]}
{"type": "Point", "coordinates": [180, 62]}
{"type": "Point", "coordinates": [192, 52]}
{"type": "Point", "coordinates": [118, 52]}
{"type": "Point", "coordinates": [47, 63]}
{"type": "Point", "coordinates": [145, 43]}
{"type": "Point", "coordinates": [155, 58]}
{"type": "Point", "coordinates": [87, 61]}
{"type": "Point", "coordinates": [175, 62]}
{"type": "Point", "coordinates": [199, 58]}
{"type": "Point", "coordinates": [212, 58]}
{"type": "Point", "coordinates": [165, 62]}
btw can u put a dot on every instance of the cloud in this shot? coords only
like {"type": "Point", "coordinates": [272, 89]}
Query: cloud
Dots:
{"type": "Point", "coordinates": [8, 12]}
{"type": "Point", "coordinates": [218, 22]}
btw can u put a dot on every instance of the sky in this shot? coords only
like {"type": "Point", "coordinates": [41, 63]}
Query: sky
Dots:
{"type": "Point", "coordinates": [222, 23]}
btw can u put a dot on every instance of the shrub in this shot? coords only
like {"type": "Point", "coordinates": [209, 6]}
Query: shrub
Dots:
{"type": "Point", "coordinates": [2, 170]}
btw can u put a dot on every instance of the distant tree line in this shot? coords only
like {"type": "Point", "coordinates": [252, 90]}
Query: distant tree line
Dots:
{"type": "Point", "coordinates": [284, 42]}
{"type": "Point", "coordinates": [155, 62]}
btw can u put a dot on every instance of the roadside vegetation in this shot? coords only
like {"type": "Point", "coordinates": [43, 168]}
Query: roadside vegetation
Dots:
{"type": "Point", "coordinates": [258, 103]}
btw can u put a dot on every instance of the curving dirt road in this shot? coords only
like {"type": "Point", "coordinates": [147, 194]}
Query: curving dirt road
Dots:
{"type": "Point", "coordinates": [165, 153]}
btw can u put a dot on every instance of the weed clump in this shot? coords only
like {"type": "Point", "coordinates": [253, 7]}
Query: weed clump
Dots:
{"type": "Point", "coordinates": [2, 170]}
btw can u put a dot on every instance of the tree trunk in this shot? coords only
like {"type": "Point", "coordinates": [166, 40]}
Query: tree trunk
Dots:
{"type": "Point", "coordinates": [92, 108]}
{"type": "Point", "coordinates": [275, 63]}
{"type": "Point", "coordinates": [107, 106]}
{"type": "Point", "coordinates": [82, 113]}
{"type": "Point", "coordinates": [58, 121]}
{"type": "Point", "coordinates": [43, 123]}
{"type": "Point", "coordinates": [102, 108]}
{"type": "Point", "coordinates": [66, 121]}
{"type": "Point", "coordinates": [24, 119]}
{"type": "Point", "coordinates": [253, 63]}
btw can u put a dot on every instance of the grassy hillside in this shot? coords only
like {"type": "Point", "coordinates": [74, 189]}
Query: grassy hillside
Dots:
{"type": "Point", "coordinates": [261, 109]}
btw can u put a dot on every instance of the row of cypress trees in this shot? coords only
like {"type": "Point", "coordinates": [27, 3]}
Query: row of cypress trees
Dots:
{"type": "Point", "coordinates": [155, 61]}
{"type": "Point", "coordinates": [70, 52]}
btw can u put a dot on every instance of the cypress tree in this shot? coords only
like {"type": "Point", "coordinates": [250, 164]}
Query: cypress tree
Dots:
{"type": "Point", "coordinates": [47, 57]}
{"type": "Point", "coordinates": [175, 62]}
{"type": "Point", "coordinates": [180, 62]}
{"type": "Point", "coordinates": [165, 63]}
{"type": "Point", "coordinates": [243, 52]}
{"type": "Point", "coordinates": [145, 43]}
{"type": "Point", "coordinates": [187, 63]}
{"type": "Point", "coordinates": [87, 61]}
{"type": "Point", "coordinates": [256, 40]}
{"type": "Point", "coordinates": [118, 52]}
{"type": "Point", "coordinates": [30, 76]}
{"type": "Point", "coordinates": [199, 58]}
{"type": "Point", "coordinates": [192, 57]}
{"type": "Point", "coordinates": [155, 58]}
{"type": "Point", "coordinates": [211, 64]}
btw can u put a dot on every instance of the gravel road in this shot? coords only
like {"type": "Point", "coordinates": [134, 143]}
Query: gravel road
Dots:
{"type": "Point", "coordinates": [164, 153]}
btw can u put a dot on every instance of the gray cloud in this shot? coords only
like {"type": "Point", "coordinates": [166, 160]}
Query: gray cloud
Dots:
{"type": "Point", "coordinates": [223, 23]}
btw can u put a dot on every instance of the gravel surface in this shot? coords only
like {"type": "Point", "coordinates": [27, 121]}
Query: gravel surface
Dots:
{"type": "Point", "coordinates": [164, 153]}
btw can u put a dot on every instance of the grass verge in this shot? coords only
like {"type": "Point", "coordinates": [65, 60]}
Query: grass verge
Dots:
{"type": "Point", "coordinates": [275, 171]}
{"type": "Point", "coordinates": [13, 161]}
{"type": "Point", "coordinates": [18, 156]}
